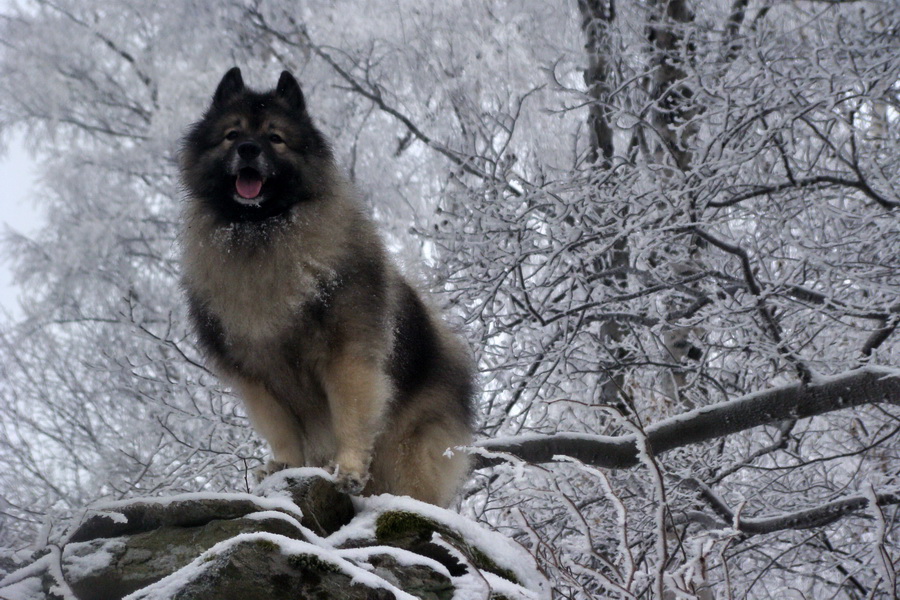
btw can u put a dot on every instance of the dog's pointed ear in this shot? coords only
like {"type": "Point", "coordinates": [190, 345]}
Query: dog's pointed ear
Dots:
{"type": "Point", "coordinates": [232, 83]}
{"type": "Point", "coordinates": [289, 90]}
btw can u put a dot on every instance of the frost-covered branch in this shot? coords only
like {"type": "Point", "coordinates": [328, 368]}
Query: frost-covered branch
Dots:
{"type": "Point", "coordinates": [765, 311]}
{"type": "Point", "coordinates": [807, 182]}
{"type": "Point", "coordinates": [869, 385]}
{"type": "Point", "coordinates": [809, 518]}
{"type": "Point", "coordinates": [373, 93]}
{"type": "Point", "coordinates": [560, 164]}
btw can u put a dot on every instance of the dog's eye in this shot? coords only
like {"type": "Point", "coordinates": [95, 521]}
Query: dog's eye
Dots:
{"type": "Point", "coordinates": [275, 138]}
{"type": "Point", "coordinates": [231, 135]}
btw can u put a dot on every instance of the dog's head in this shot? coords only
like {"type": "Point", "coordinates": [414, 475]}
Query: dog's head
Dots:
{"type": "Point", "coordinates": [254, 155]}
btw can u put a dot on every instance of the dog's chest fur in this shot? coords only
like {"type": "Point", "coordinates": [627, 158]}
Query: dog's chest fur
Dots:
{"type": "Point", "coordinates": [259, 289]}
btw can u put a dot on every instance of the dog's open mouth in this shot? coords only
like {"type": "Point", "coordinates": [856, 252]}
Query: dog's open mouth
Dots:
{"type": "Point", "coordinates": [249, 183]}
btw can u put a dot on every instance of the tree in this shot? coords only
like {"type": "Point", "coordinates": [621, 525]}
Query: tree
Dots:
{"type": "Point", "coordinates": [644, 213]}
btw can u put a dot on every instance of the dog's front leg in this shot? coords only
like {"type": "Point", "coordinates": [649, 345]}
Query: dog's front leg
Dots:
{"type": "Point", "coordinates": [358, 392]}
{"type": "Point", "coordinates": [274, 423]}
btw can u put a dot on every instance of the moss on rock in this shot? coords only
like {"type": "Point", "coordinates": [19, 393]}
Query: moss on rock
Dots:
{"type": "Point", "coordinates": [398, 524]}
{"type": "Point", "coordinates": [414, 532]}
{"type": "Point", "coordinates": [308, 562]}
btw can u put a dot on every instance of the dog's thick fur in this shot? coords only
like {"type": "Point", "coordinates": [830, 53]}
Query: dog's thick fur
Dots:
{"type": "Point", "coordinates": [339, 362]}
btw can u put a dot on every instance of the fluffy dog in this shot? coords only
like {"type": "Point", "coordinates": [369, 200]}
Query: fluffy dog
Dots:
{"type": "Point", "coordinates": [339, 362]}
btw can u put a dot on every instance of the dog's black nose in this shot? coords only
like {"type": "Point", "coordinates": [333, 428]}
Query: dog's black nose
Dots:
{"type": "Point", "coordinates": [248, 150]}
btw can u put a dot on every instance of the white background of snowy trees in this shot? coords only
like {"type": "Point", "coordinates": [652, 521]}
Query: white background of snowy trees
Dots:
{"type": "Point", "coordinates": [634, 210]}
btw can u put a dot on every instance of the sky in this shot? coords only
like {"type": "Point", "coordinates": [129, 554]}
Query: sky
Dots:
{"type": "Point", "coordinates": [17, 211]}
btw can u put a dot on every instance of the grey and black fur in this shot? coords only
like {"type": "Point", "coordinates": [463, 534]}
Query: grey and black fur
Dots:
{"type": "Point", "coordinates": [338, 360]}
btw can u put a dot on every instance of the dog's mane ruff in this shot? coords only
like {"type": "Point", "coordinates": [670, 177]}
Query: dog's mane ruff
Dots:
{"type": "Point", "coordinates": [283, 259]}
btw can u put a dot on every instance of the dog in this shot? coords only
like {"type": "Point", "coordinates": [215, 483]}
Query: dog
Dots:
{"type": "Point", "coordinates": [339, 361]}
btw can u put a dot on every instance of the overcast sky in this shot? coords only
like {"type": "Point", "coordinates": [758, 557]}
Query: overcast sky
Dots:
{"type": "Point", "coordinates": [17, 211]}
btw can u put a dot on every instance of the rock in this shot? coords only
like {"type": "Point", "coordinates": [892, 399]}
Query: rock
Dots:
{"type": "Point", "coordinates": [133, 562]}
{"type": "Point", "coordinates": [187, 510]}
{"type": "Point", "coordinates": [295, 537]}
{"type": "Point", "coordinates": [419, 580]}
{"type": "Point", "coordinates": [325, 510]}
{"type": "Point", "coordinates": [414, 532]}
{"type": "Point", "coordinates": [260, 569]}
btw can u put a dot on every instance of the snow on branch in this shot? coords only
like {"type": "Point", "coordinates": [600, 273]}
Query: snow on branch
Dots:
{"type": "Point", "coordinates": [809, 518]}
{"type": "Point", "coordinates": [817, 181]}
{"type": "Point", "coordinates": [868, 385]}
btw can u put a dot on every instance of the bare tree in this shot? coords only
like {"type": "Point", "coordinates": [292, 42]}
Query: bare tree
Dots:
{"type": "Point", "coordinates": [670, 228]}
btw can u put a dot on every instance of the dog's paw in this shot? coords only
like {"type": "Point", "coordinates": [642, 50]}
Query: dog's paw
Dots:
{"type": "Point", "coordinates": [350, 482]}
{"type": "Point", "coordinates": [273, 466]}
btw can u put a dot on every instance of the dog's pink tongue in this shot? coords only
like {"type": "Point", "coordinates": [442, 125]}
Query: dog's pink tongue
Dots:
{"type": "Point", "coordinates": [248, 184]}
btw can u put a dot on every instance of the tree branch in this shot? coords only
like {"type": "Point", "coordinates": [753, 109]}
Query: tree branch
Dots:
{"type": "Point", "coordinates": [766, 313]}
{"type": "Point", "coordinates": [814, 182]}
{"type": "Point", "coordinates": [372, 93]}
{"type": "Point", "coordinates": [879, 336]}
{"type": "Point", "coordinates": [868, 385]}
{"type": "Point", "coordinates": [802, 519]}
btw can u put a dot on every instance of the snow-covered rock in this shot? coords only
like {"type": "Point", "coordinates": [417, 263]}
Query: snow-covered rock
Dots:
{"type": "Point", "coordinates": [295, 537]}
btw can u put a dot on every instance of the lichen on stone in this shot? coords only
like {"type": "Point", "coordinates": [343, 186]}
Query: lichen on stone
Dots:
{"type": "Point", "coordinates": [415, 532]}
{"type": "Point", "coordinates": [311, 562]}
{"type": "Point", "coordinates": [400, 523]}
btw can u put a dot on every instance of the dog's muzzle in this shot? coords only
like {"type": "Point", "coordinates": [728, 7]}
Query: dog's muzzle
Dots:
{"type": "Point", "coordinates": [251, 169]}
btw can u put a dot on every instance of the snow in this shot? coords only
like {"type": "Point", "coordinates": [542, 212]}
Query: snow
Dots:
{"type": "Point", "coordinates": [531, 437]}
{"type": "Point", "coordinates": [726, 408]}
{"type": "Point", "coordinates": [85, 558]}
{"type": "Point", "coordinates": [884, 371]}
{"type": "Point", "coordinates": [502, 550]}
{"type": "Point", "coordinates": [115, 517]}
{"type": "Point", "coordinates": [276, 484]}
{"type": "Point", "coordinates": [26, 589]}
{"type": "Point", "coordinates": [523, 273]}
{"type": "Point", "coordinates": [309, 534]}
{"type": "Point", "coordinates": [165, 588]}
{"type": "Point", "coordinates": [59, 587]}
{"type": "Point", "coordinates": [274, 514]}
{"type": "Point", "coordinates": [264, 503]}
{"type": "Point", "coordinates": [884, 565]}
{"type": "Point", "coordinates": [35, 569]}
{"type": "Point", "coordinates": [403, 557]}
{"type": "Point", "coordinates": [506, 588]}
